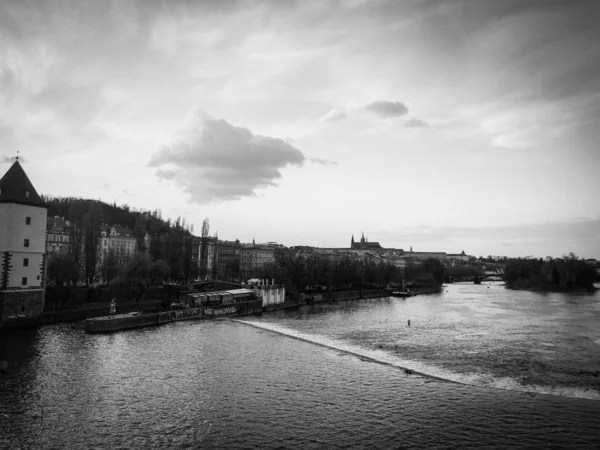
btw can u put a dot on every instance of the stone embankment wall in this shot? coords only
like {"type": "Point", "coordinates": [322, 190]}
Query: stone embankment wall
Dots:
{"type": "Point", "coordinates": [25, 303]}
{"type": "Point", "coordinates": [75, 315]}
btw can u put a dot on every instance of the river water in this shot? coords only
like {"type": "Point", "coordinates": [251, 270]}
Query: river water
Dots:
{"type": "Point", "coordinates": [492, 368]}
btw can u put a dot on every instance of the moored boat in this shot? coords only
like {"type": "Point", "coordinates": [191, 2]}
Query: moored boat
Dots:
{"type": "Point", "coordinates": [402, 294]}
{"type": "Point", "coordinates": [116, 322]}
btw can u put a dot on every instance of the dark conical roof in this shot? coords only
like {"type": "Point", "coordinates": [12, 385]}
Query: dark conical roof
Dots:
{"type": "Point", "coordinates": [14, 186]}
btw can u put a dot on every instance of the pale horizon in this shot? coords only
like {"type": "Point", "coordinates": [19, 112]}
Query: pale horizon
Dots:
{"type": "Point", "coordinates": [445, 126]}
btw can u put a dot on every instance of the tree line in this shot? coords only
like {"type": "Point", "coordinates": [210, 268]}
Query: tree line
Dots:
{"type": "Point", "coordinates": [568, 272]}
{"type": "Point", "coordinates": [171, 242]}
{"type": "Point", "coordinates": [306, 270]}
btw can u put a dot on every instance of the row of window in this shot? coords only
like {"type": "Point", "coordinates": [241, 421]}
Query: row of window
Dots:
{"type": "Point", "coordinates": [24, 280]}
{"type": "Point", "coordinates": [61, 238]}
{"type": "Point", "coordinates": [120, 244]}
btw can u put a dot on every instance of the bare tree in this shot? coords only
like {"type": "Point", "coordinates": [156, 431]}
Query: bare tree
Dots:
{"type": "Point", "coordinates": [76, 240]}
{"type": "Point", "coordinates": [91, 241]}
{"type": "Point", "coordinates": [203, 257]}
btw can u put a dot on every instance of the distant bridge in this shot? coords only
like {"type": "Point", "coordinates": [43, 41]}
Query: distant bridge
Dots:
{"type": "Point", "coordinates": [476, 279]}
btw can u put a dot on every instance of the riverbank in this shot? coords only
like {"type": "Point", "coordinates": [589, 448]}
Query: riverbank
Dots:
{"type": "Point", "coordinates": [81, 312]}
{"type": "Point", "coordinates": [558, 289]}
{"type": "Point", "coordinates": [92, 310]}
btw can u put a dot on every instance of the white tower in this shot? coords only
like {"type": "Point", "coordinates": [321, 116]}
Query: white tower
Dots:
{"type": "Point", "coordinates": [22, 246]}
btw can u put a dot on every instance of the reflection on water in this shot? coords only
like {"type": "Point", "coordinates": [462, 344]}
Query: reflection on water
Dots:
{"type": "Point", "coordinates": [228, 385]}
{"type": "Point", "coordinates": [475, 334]}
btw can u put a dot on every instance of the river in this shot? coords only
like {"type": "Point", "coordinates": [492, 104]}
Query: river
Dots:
{"type": "Point", "coordinates": [492, 368]}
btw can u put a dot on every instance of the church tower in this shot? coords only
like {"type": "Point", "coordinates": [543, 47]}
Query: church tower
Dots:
{"type": "Point", "coordinates": [352, 242]}
{"type": "Point", "coordinates": [23, 216]}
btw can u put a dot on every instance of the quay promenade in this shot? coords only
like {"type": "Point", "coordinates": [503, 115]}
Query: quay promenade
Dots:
{"type": "Point", "coordinates": [98, 309]}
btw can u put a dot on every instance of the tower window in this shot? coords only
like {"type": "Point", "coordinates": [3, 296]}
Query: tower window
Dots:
{"type": "Point", "coordinates": [24, 281]}
{"type": "Point", "coordinates": [25, 262]}
{"type": "Point", "coordinates": [27, 220]}
{"type": "Point", "coordinates": [26, 243]}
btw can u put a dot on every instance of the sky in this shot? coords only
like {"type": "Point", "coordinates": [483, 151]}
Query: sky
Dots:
{"type": "Point", "coordinates": [441, 125]}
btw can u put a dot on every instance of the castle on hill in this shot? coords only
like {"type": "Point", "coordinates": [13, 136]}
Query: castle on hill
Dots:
{"type": "Point", "coordinates": [364, 244]}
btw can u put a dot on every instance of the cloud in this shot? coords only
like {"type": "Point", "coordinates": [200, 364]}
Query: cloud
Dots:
{"type": "Point", "coordinates": [12, 159]}
{"type": "Point", "coordinates": [386, 108]}
{"type": "Point", "coordinates": [382, 109]}
{"type": "Point", "coordinates": [415, 123]}
{"type": "Point", "coordinates": [335, 115]}
{"type": "Point", "coordinates": [322, 161]}
{"type": "Point", "coordinates": [214, 161]}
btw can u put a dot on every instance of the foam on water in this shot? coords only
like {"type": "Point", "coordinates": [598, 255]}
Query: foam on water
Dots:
{"type": "Point", "coordinates": [421, 369]}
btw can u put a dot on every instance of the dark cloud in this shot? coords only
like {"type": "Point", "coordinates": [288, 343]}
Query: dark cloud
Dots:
{"type": "Point", "coordinates": [555, 51]}
{"type": "Point", "coordinates": [387, 109]}
{"type": "Point", "coordinates": [415, 123]}
{"type": "Point", "coordinates": [215, 161]}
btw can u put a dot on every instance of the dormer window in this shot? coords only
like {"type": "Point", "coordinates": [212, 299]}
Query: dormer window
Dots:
{"type": "Point", "coordinates": [26, 194]}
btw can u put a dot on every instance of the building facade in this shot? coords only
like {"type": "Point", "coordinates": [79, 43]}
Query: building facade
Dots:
{"type": "Point", "coordinates": [57, 236]}
{"type": "Point", "coordinates": [23, 217]}
{"type": "Point", "coordinates": [228, 259]}
{"type": "Point", "coordinates": [253, 257]}
{"type": "Point", "coordinates": [422, 256]}
{"type": "Point", "coordinates": [208, 254]}
{"type": "Point", "coordinates": [117, 239]}
{"type": "Point", "coordinates": [458, 257]}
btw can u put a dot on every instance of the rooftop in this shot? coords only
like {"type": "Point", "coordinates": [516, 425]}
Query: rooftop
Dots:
{"type": "Point", "coordinates": [15, 187]}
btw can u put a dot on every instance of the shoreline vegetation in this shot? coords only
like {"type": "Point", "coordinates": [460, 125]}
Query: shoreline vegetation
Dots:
{"type": "Point", "coordinates": [566, 274]}
{"type": "Point", "coordinates": [307, 272]}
